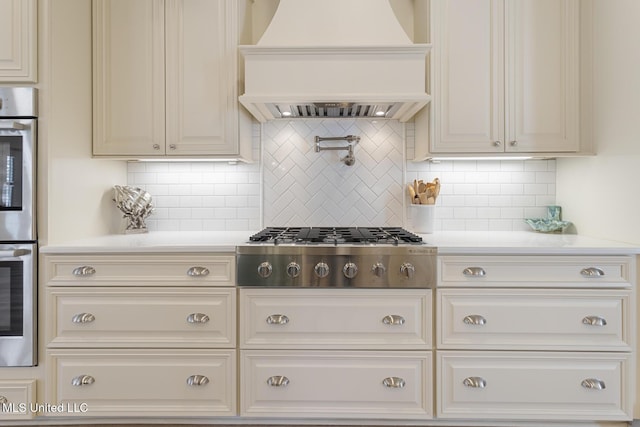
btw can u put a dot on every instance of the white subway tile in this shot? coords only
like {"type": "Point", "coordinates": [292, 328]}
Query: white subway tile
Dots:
{"type": "Point", "coordinates": [180, 213]}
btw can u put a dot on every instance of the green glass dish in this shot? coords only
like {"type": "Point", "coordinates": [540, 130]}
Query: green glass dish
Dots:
{"type": "Point", "coordinates": [547, 225]}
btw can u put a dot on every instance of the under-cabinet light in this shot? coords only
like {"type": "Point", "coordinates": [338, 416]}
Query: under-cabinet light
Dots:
{"type": "Point", "coordinates": [184, 160]}
{"type": "Point", "coordinates": [438, 159]}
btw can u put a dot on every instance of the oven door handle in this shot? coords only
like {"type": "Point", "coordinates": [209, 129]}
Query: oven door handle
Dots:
{"type": "Point", "coordinates": [12, 125]}
{"type": "Point", "coordinates": [14, 253]}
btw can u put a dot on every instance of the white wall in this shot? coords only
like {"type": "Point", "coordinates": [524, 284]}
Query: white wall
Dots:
{"type": "Point", "coordinates": [74, 189]}
{"type": "Point", "coordinates": [601, 195]}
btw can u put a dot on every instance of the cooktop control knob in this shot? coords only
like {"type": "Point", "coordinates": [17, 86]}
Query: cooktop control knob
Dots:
{"type": "Point", "coordinates": [407, 270]}
{"type": "Point", "coordinates": [379, 269]}
{"type": "Point", "coordinates": [265, 269]}
{"type": "Point", "coordinates": [293, 269]}
{"type": "Point", "coordinates": [350, 270]}
{"type": "Point", "coordinates": [321, 269]}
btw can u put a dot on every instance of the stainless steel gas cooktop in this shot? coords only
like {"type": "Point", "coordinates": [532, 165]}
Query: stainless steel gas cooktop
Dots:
{"type": "Point", "coordinates": [363, 257]}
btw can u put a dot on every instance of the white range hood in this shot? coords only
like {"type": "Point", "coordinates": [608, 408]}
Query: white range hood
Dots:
{"type": "Point", "coordinates": [334, 58]}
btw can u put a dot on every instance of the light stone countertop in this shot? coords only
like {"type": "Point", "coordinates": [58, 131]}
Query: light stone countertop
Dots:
{"type": "Point", "coordinates": [447, 242]}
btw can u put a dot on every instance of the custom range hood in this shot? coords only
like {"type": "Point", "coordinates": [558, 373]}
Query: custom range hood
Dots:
{"type": "Point", "coordinates": [334, 58]}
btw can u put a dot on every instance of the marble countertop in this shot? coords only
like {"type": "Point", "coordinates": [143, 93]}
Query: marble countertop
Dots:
{"type": "Point", "coordinates": [447, 242]}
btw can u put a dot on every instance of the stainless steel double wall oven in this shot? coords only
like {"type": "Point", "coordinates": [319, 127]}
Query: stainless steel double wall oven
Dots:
{"type": "Point", "coordinates": [18, 239]}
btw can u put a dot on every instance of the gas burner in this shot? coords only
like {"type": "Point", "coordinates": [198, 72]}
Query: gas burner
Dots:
{"type": "Point", "coordinates": [336, 235]}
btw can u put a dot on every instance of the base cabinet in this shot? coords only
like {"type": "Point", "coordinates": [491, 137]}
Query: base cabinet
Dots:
{"type": "Point", "coordinates": [143, 382]}
{"type": "Point", "coordinates": [17, 400]}
{"type": "Point", "coordinates": [355, 384]}
{"type": "Point", "coordinates": [534, 385]}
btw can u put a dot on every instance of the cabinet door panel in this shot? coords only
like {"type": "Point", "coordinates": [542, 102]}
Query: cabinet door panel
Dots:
{"type": "Point", "coordinates": [200, 94]}
{"type": "Point", "coordinates": [128, 77]}
{"type": "Point", "coordinates": [138, 383]}
{"type": "Point", "coordinates": [469, 73]}
{"type": "Point", "coordinates": [339, 384]}
{"type": "Point", "coordinates": [18, 41]}
{"type": "Point", "coordinates": [523, 385]}
{"type": "Point", "coordinates": [535, 319]}
{"type": "Point", "coordinates": [543, 79]}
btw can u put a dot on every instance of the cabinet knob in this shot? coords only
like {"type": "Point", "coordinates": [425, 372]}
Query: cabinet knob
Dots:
{"type": "Point", "coordinates": [594, 321]}
{"type": "Point", "coordinates": [197, 318]}
{"type": "Point", "coordinates": [278, 381]}
{"type": "Point", "coordinates": [156, 146]}
{"type": "Point", "coordinates": [83, 318]}
{"type": "Point", "coordinates": [197, 380]}
{"type": "Point", "coordinates": [474, 382]}
{"type": "Point", "coordinates": [172, 146]}
{"type": "Point", "coordinates": [593, 384]}
{"type": "Point", "coordinates": [474, 319]}
{"type": "Point", "coordinates": [393, 319]}
{"type": "Point", "coordinates": [592, 272]}
{"type": "Point", "coordinates": [277, 319]}
{"type": "Point", "coordinates": [82, 380]}
{"type": "Point", "coordinates": [4, 399]}
{"type": "Point", "coordinates": [497, 143]}
{"type": "Point", "coordinates": [198, 271]}
{"type": "Point", "coordinates": [393, 382]}
{"type": "Point", "coordinates": [474, 272]}
{"type": "Point", "coordinates": [84, 271]}
{"type": "Point", "coordinates": [513, 143]}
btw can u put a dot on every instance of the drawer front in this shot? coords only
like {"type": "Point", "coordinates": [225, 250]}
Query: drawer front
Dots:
{"type": "Point", "coordinates": [535, 271]}
{"type": "Point", "coordinates": [339, 319]}
{"type": "Point", "coordinates": [17, 400]}
{"type": "Point", "coordinates": [383, 385]}
{"type": "Point", "coordinates": [143, 382]}
{"type": "Point", "coordinates": [597, 320]}
{"type": "Point", "coordinates": [521, 385]}
{"type": "Point", "coordinates": [142, 270]}
{"type": "Point", "coordinates": [141, 317]}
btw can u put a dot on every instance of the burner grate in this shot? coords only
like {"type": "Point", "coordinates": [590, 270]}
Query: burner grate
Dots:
{"type": "Point", "coordinates": [336, 235]}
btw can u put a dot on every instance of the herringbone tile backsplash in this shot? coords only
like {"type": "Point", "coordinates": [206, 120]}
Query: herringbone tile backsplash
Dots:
{"type": "Point", "coordinates": [305, 187]}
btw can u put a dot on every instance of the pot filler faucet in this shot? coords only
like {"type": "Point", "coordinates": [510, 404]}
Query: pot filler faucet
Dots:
{"type": "Point", "coordinates": [349, 159]}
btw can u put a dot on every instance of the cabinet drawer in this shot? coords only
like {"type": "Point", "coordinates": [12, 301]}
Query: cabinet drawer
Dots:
{"type": "Point", "coordinates": [143, 382]}
{"type": "Point", "coordinates": [17, 399]}
{"type": "Point", "coordinates": [142, 270]}
{"type": "Point", "coordinates": [141, 317]}
{"type": "Point", "coordinates": [336, 318]}
{"type": "Point", "coordinates": [354, 384]}
{"type": "Point", "coordinates": [549, 319]}
{"type": "Point", "coordinates": [535, 271]}
{"type": "Point", "coordinates": [522, 385]}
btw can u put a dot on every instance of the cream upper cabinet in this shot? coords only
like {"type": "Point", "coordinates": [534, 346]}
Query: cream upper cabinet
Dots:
{"type": "Point", "coordinates": [18, 41]}
{"type": "Point", "coordinates": [505, 76]}
{"type": "Point", "coordinates": [165, 78]}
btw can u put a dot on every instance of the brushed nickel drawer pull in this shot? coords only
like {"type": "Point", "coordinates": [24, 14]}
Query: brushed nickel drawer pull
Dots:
{"type": "Point", "coordinates": [593, 384]}
{"type": "Point", "coordinates": [474, 319]}
{"type": "Point", "coordinates": [277, 319]}
{"type": "Point", "coordinates": [592, 272]}
{"type": "Point", "coordinates": [198, 271]}
{"type": "Point", "coordinates": [474, 272]}
{"type": "Point", "coordinates": [198, 318]}
{"type": "Point", "coordinates": [3, 399]}
{"type": "Point", "coordinates": [197, 380]}
{"type": "Point", "coordinates": [393, 319]}
{"type": "Point", "coordinates": [393, 382]}
{"type": "Point", "coordinates": [83, 318]}
{"type": "Point", "coordinates": [84, 271]}
{"type": "Point", "coordinates": [278, 381]}
{"type": "Point", "coordinates": [594, 321]}
{"type": "Point", "coordinates": [475, 382]}
{"type": "Point", "coordinates": [82, 380]}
